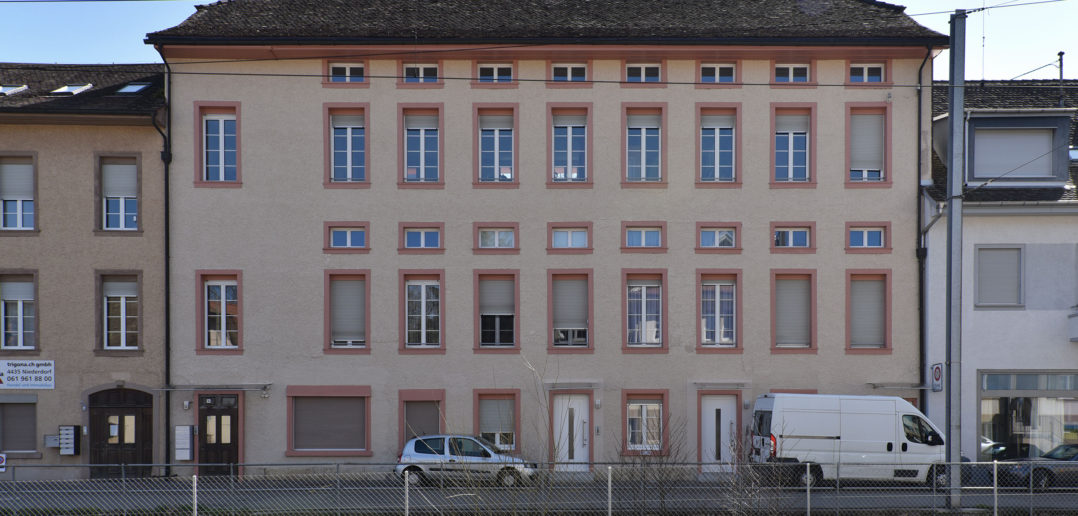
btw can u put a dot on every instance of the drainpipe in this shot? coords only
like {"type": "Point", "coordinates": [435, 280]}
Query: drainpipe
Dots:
{"type": "Point", "coordinates": [166, 158]}
{"type": "Point", "coordinates": [922, 249]}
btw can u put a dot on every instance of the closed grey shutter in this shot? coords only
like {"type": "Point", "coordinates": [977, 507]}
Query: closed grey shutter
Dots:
{"type": "Point", "coordinates": [495, 121]}
{"type": "Point", "coordinates": [119, 179]}
{"type": "Point", "coordinates": [567, 120]}
{"type": "Point", "coordinates": [421, 418]}
{"type": "Point", "coordinates": [644, 120]}
{"type": "Point", "coordinates": [329, 423]}
{"type": "Point", "coordinates": [347, 120]}
{"type": "Point", "coordinates": [866, 142]}
{"type": "Point", "coordinates": [495, 416]}
{"type": "Point", "coordinates": [16, 179]}
{"type": "Point", "coordinates": [1015, 152]}
{"type": "Point", "coordinates": [792, 312]}
{"type": "Point", "coordinates": [348, 311]}
{"type": "Point", "coordinates": [496, 297]}
{"type": "Point", "coordinates": [642, 283]}
{"type": "Point", "coordinates": [18, 427]}
{"type": "Point", "coordinates": [17, 290]}
{"type": "Point", "coordinates": [570, 303]}
{"type": "Point", "coordinates": [717, 121]}
{"type": "Point", "coordinates": [420, 121]}
{"type": "Point", "coordinates": [120, 288]}
{"type": "Point", "coordinates": [999, 275]}
{"type": "Point", "coordinates": [867, 316]}
{"type": "Point", "coordinates": [792, 123]}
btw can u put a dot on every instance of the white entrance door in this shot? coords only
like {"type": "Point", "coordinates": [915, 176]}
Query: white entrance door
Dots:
{"type": "Point", "coordinates": [718, 429]}
{"type": "Point", "coordinates": [571, 430]}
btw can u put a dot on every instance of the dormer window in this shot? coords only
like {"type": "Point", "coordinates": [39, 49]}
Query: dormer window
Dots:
{"type": "Point", "coordinates": [132, 88]}
{"type": "Point", "coordinates": [11, 89]}
{"type": "Point", "coordinates": [1012, 149]}
{"type": "Point", "coordinates": [72, 89]}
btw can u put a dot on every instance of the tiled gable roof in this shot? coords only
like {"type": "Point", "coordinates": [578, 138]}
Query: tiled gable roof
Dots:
{"type": "Point", "coordinates": [1009, 95]}
{"type": "Point", "coordinates": [101, 99]}
{"type": "Point", "coordinates": [833, 22]}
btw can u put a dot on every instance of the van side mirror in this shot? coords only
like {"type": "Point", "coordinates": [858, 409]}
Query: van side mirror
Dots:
{"type": "Point", "coordinates": [934, 439]}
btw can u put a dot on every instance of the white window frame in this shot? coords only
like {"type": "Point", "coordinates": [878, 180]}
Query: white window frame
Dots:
{"type": "Point", "coordinates": [790, 157]}
{"type": "Point", "coordinates": [788, 75]}
{"type": "Point", "coordinates": [423, 232]}
{"type": "Point", "coordinates": [643, 406]}
{"type": "Point", "coordinates": [420, 70]}
{"type": "Point", "coordinates": [642, 317]}
{"type": "Point", "coordinates": [20, 306]}
{"type": "Point", "coordinates": [350, 166]}
{"type": "Point", "coordinates": [720, 288]}
{"type": "Point", "coordinates": [349, 237]}
{"type": "Point", "coordinates": [569, 233]}
{"type": "Point", "coordinates": [495, 76]}
{"type": "Point", "coordinates": [421, 167]}
{"type": "Point", "coordinates": [568, 175]}
{"type": "Point", "coordinates": [865, 175]}
{"type": "Point", "coordinates": [718, 151]}
{"type": "Point", "coordinates": [122, 214]}
{"type": "Point", "coordinates": [716, 232]}
{"type": "Point", "coordinates": [497, 150]}
{"type": "Point", "coordinates": [20, 213]}
{"type": "Point", "coordinates": [423, 284]}
{"type": "Point", "coordinates": [643, 232]}
{"type": "Point", "coordinates": [716, 69]}
{"type": "Point", "coordinates": [569, 69]}
{"type": "Point", "coordinates": [222, 329]}
{"type": "Point", "coordinates": [789, 236]}
{"type": "Point", "coordinates": [221, 150]}
{"type": "Point", "coordinates": [644, 150]}
{"type": "Point", "coordinates": [497, 234]}
{"type": "Point", "coordinates": [348, 76]}
{"type": "Point", "coordinates": [123, 300]}
{"type": "Point", "coordinates": [865, 232]}
{"type": "Point", "coordinates": [642, 69]}
{"type": "Point", "coordinates": [865, 67]}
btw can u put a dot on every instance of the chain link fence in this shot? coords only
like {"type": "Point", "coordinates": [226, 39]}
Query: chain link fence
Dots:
{"type": "Point", "coordinates": [345, 488]}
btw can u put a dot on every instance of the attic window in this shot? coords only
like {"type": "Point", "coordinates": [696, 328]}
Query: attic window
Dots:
{"type": "Point", "coordinates": [72, 89]}
{"type": "Point", "coordinates": [133, 87]}
{"type": "Point", "coordinates": [11, 89]}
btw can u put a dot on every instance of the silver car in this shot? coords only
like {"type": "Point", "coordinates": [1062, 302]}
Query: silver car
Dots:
{"type": "Point", "coordinates": [460, 459]}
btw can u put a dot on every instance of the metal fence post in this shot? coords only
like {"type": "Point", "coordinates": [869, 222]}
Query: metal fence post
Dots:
{"type": "Point", "coordinates": [406, 473]}
{"type": "Point", "coordinates": [194, 495]}
{"type": "Point", "coordinates": [123, 486]}
{"type": "Point", "coordinates": [995, 487]}
{"type": "Point", "coordinates": [338, 493]}
{"type": "Point", "coordinates": [609, 490]}
{"type": "Point", "coordinates": [808, 489]}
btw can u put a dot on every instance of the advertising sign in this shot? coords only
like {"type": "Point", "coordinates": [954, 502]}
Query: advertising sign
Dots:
{"type": "Point", "coordinates": [27, 374]}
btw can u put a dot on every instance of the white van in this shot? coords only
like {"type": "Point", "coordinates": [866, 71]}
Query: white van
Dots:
{"type": "Point", "coordinates": [852, 437]}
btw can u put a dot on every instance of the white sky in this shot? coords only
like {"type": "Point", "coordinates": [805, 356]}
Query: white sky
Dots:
{"type": "Point", "coordinates": [1004, 42]}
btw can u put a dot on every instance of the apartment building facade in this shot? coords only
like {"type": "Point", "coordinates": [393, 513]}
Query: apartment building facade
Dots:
{"type": "Point", "coordinates": [82, 280]}
{"type": "Point", "coordinates": [588, 231]}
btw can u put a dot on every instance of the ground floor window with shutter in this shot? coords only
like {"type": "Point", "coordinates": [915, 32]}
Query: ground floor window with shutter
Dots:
{"type": "Point", "coordinates": [868, 312]}
{"type": "Point", "coordinates": [497, 413]}
{"type": "Point", "coordinates": [347, 299]}
{"type": "Point", "coordinates": [793, 314]}
{"type": "Point", "coordinates": [570, 309]}
{"type": "Point", "coordinates": [18, 423]}
{"type": "Point", "coordinates": [645, 417]}
{"type": "Point", "coordinates": [328, 420]}
{"type": "Point", "coordinates": [497, 294]}
{"type": "Point", "coordinates": [421, 412]}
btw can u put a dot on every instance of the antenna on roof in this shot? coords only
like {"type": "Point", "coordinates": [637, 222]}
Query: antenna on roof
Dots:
{"type": "Point", "coordinates": [1062, 92]}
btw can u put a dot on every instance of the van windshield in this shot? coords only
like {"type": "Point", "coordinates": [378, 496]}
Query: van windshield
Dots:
{"type": "Point", "coordinates": [761, 422]}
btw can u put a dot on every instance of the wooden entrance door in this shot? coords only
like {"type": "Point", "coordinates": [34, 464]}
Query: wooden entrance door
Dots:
{"type": "Point", "coordinates": [218, 441]}
{"type": "Point", "coordinates": [121, 432]}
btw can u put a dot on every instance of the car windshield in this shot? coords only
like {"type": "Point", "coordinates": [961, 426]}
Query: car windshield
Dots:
{"type": "Point", "coordinates": [1062, 452]}
{"type": "Point", "coordinates": [494, 448]}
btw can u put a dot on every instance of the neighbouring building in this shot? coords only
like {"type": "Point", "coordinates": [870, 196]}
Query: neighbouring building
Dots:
{"type": "Point", "coordinates": [82, 278]}
{"type": "Point", "coordinates": [1019, 380]}
{"type": "Point", "coordinates": [586, 230]}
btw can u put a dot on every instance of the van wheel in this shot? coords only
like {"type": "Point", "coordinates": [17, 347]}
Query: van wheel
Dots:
{"type": "Point", "coordinates": [1042, 480]}
{"type": "Point", "coordinates": [811, 478]}
{"type": "Point", "coordinates": [937, 477]}
{"type": "Point", "coordinates": [508, 478]}
{"type": "Point", "coordinates": [415, 477]}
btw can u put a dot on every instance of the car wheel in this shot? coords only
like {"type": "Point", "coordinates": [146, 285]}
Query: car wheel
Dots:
{"type": "Point", "coordinates": [508, 478]}
{"type": "Point", "coordinates": [810, 478]}
{"type": "Point", "coordinates": [414, 477]}
{"type": "Point", "coordinates": [937, 477]}
{"type": "Point", "coordinates": [1042, 480]}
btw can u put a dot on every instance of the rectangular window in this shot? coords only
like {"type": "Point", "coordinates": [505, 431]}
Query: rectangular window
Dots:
{"type": "Point", "coordinates": [643, 237]}
{"type": "Point", "coordinates": [347, 238]}
{"type": "Point", "coordinates": [643, 424]}
{"type": "Point", "coordinates": [791, 73]}
{"type": "Point", "coordinates": [221, 317]}
{"type": "Point", "coordinates": [642, 73]}
{"type": "Point", "coordinates": [421, 148]}
{"type": "Point", "coordinates": [348, 311]}
{"type": "Point", "coordinates": [121, 313]}
{"type": "Point", "coordinates": [643, 147]}
{"type": "Point", "coordinates": [422, 238]}
{"type": "Point", "coordinates": [710, 73]}
{"type": "Point", "coordinates": [421, 73]}
{"type": "Point", "coordinates": [17, 184]}
{"type": "Point", "coordinates": [792, 237]}
{"type": "Point", "coordinates": [717, 148]}
{"type": "Point", "coordinates": [496, 148]}
{"type": "Point", "coordinates": [495, 73]}
{"type": "Point", "coordinates": [717, 317]}
{"type": "Point", "coordinates": [867, 311]}
{"type": "Point", "coordinates": [999, 276]}
{"type": "Point", "coordinates": [718, 237]}
{"type": "Point", "coordinates": [867, 135]}
{"type": "Point", "coordinates": [644, 312]}
{"type": "Point", "coordinates": [423, 313]}
{"type": "Point", "coordinates": [497, 310]}
{"type": "Point", "coordinates": [791, 148]}
{"type": "Point", "coordinates": [866, 73]}
{"type": "Point", "coordinates": [569, 238]}
{"type": "Point", "coordinates": [119, 194]}
{"type": "Point", "coordinates": [570, 310]}
{"type": "Point", "coordinates": [349, 148]}
{"type": "Point", "coordinates": [570, 148]}
{"type": "Point", "coordinates": [219, 147]}
{"type": "Point", "coordinates": [793, 311]}
{"type": "Point", "coordinates": [497, 420]}
{"type": "Point", "coordinates": [867, 238]}
{"type": "Point", "coordinates": [18, 427]}
{"type": "Point", "coordinates": [492, 238]}
{"type": "Point", "coordinates": [569, 73]}
{"type": "Point", "coordinates": [328, 420]}
{"type": "Point", "coordinates": [17, 313]}
{"type": "Point", "coordinates": [340, 72]}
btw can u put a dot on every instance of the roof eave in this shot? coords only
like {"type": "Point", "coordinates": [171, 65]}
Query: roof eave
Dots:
{"type": "Point", "coordinates": [934, 41]}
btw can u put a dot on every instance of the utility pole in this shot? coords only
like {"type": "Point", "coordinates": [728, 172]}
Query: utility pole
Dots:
{"type": "Point", "coordinates": [956, 171]}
